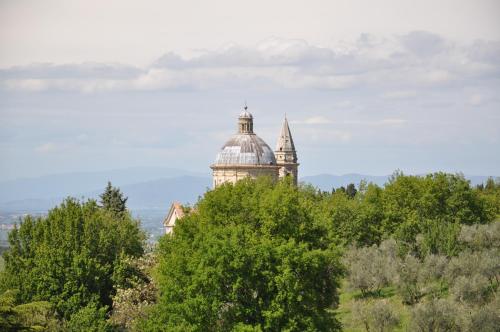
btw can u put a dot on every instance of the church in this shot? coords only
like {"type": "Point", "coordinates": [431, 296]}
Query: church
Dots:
{"type": "Point", "coordinates": [247, 155]}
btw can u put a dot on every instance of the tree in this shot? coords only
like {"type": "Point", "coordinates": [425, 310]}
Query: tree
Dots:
{"type": "Point", "coordinates": [408, 279]}
{"type": "Point", "coordinates": [490, 184]}
{"type": "Point", "coordinates": [479, 237]}
{"type": "Point", "coordinates": [475, 291]}
{"type": "Point", "coordinates": [485, 318]}
{"type": "Point", "coordinates": [137, 291]}
{"type": "Point", "coordinates": [369, 216]}
{"type": "Point", "coordinates": [33, 316]}
{"type": "Point", "coordinates": [112, 200]}
{"type": "Point", "coordinates": [434, 205]}
{"type": "Point", "coordinates": [351, 190]}
{"type": "Point", "coordinates": [89, 318]}
{"type": "Point", "coordinates": [375, 315]}
{"type": "Point", "coordinates": [250, 258]}
{"type": "Point", "coordinates": [371, 268]}
{"type": "Point", "coordinates": [68, 258]}
{"type": "Point", "coordinates": [435, 315]}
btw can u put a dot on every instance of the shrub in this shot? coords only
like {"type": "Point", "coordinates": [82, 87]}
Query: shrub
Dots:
{"type": "Point", "coordinates": [371, 268]}
{"type": "Point", "coordinates": [475, 290]}
{"type": "Point", "coordinates": [435, 315]}
{"type": "Point", "coordinates": [407, 282]}
{"type": "Point", "coordinates": [375, 315]}
{"type": "Point", "coordinates": [90, 318]}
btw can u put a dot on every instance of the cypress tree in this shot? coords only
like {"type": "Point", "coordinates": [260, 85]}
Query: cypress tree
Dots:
{"type": "Point", "coordinates": [112, 200]}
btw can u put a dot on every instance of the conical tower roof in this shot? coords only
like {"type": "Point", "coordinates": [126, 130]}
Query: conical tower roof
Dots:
{"type": "Point", "coordinates": [285, 140]}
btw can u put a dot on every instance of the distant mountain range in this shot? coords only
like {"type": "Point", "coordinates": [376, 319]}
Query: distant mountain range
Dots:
{"type": "Point", "coordinates": [151, 188]}
{"type": "Point", "coordinates": [146, 187]}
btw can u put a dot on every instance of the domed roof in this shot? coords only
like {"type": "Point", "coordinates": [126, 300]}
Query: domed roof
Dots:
{"type": "Point", "coordinates": [245, 149]}
{"type": "Point", "coordinates": [245, 114]}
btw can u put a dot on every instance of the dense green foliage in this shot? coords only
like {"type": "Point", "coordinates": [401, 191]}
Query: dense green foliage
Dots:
{"type": "Point", "coordinates": [89, 318]}
{"type": "Point", "coordinates": [70, 258]}
{"type": "Point", "coordinates": [419, 254]}
{"type": "Point", "coordinates": [251, 258]}
{"type": "Point", "coordinates": [135, 293]}
{"type": "Point", "coordinates": [15, 316]}
{"type": "Point", "coordinates": [433, 206]}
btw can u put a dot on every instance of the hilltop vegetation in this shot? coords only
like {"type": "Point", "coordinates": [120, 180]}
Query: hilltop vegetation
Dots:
{"type": "Point", "coordinates": [420, 254]}
{"type": "Point", "coordinates": [250, 258]}
{"type": "Point", "coordinates": [434, 292]}
{"type": "Point", "coordinates": [61, 270]}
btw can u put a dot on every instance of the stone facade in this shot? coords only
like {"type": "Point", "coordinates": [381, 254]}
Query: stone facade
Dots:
{"type": "Point", "coordinates": [233, 173]}
{"type": "Point", "coordinates": [246, 155]}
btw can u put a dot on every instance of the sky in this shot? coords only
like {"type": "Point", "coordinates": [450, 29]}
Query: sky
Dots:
{"type": "Point", "coordinates": [367, 86]}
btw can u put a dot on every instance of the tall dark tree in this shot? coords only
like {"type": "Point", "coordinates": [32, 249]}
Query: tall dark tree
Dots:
{"type": "Point", "coordinates": [490, 184]}
{"type": "Point", "coordinates": [112, 200]}
{"type": "Point", "coordinates": [351, 190]}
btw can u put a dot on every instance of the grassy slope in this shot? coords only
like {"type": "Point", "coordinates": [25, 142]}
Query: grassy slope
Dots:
{"type": "Point", "coordinates": [347, 298]}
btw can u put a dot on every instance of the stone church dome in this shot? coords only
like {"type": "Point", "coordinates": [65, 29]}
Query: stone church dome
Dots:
{"type": "Point", "coordinates": [245, 148]}
{"type": "Point", "coordinates": [246, 155]}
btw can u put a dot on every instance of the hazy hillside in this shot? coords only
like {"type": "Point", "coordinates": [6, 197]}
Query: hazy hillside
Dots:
{"type": "Point", "coordinates": [149, 200]}
{"type": "Point", "coordinates": [65, 184]}
{"type": "Point", "coordinates": [146, 187]}
{"type": "Point", "coordinates": [156, 194]}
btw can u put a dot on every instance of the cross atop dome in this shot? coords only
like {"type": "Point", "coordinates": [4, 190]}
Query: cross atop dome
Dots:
{"type": "Point", "coordinates": [245, 114]}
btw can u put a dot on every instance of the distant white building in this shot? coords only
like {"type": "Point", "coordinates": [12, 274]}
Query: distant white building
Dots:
{"type": "Point", "coordinates": [176, 212]}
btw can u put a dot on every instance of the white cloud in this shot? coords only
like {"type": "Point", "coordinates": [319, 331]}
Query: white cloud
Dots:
{"type": "Point", "coordinates": [399, 65]}
{"type": "Point", "coordinates": [476, 99]}
{"type": "Point", "coordinates": [377, 123]}
{"type": "Point", "coordinates": [373, 93]}
{"type": "Point", "coordinates": [399, 94]}
{"type": "Point", "coordinates": [390, 122]}
{"type": "Point", "coordinates": [322, 120]}
{"type": "Point", "coordinates": [28, 84]}
{"type": "Point", "coordinates": [437, 76]}
{"type": "Point", "coordinates": [46, 148]}
{"type": "Point", "coordinates": [315, 120]}
{"type": "Point", "coordinates": [321, 137]}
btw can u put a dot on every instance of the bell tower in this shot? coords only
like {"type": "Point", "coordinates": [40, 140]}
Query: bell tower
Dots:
{"type": "Point", "coordinates": [286, 156]}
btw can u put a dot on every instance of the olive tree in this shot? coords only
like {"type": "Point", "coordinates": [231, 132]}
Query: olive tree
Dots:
{"type": "Point", "coordinates": [435, 315]}
{"type": "Point", "coordinates": [369, 269]}
{"type": "Point", "coordinates": [375, 315]}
